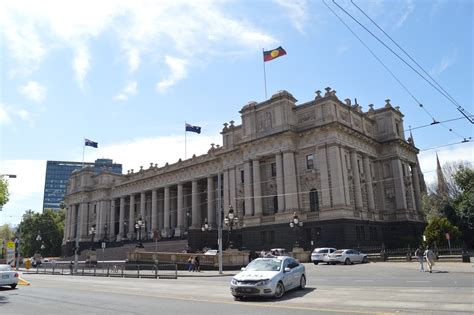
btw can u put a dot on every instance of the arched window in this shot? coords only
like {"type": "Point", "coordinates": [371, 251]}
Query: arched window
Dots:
{"type": "Point", "coordinates": [313, 200]}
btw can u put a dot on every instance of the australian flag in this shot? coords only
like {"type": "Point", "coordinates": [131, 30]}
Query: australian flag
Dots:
{"type": "Point", "coordinates": [90, 143]}
{"type": "Point", "coordinates": [192, 128]}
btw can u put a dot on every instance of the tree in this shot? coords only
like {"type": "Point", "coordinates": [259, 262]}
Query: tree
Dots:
{"type": "Point", "coordinates": [6, 233]}
{"type": "Point", "coordinates": [464, 202]}
{"type": "Point", "coordinates": [436, 230]}
{"type": "Point", "coordinates": [4, 194]}
{"type": "Point", "coordinates": [49, 225]}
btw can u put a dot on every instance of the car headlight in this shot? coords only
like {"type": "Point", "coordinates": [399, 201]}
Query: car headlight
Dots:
{"type": "Point", "coordinates": [263, 282]}
{"type": "Point", "coordinates": [234, 282]}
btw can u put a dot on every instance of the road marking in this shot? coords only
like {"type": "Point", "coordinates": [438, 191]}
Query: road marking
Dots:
{"type": "Point", "coordinates": [363, 280]}
{"type": "Point", "coordinates": [418, 281]}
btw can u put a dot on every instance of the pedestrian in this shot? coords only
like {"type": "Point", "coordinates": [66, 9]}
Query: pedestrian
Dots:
{"type": "Point", "coordinates": [430, 258]}
{"type": "Point", "coordinates": [419, 255]}
{"type": "Point", "coordinates": [70, 267]}
{"type": "Point", "coordinates": [197, 264]}
{"type": "Point", "coordinates": [190, 263]}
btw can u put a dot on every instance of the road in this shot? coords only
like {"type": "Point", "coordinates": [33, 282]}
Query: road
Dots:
{"type": "Point", "coordinates": [358, 289]}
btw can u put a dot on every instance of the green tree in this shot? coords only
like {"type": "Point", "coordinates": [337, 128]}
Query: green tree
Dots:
{"type": "Point", "coordinates": [436, 230]}
{"type": "Point", "coordinates": [464, 202]}
{"type": "Point", "coordinates": [6, 233]}
{"type": "Point", "coordinates": [49, 225]}
{"type": "Point", "coordinates": [4, 194]}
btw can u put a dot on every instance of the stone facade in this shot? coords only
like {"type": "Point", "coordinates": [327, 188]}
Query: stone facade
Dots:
{"type": "Point", "coordinates": [351, 177]}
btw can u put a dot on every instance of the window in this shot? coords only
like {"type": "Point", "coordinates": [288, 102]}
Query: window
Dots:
{"type": "Point", "coordinates": [242, 178]}
{"type": "Point", "coordinates": [274, 169]}
{"type": "Point", "coordinates": [313, 200]}
{"type": "Point", "coordinates": [275, 204]}
{"type": "Point", "coordinates": [310, 161]}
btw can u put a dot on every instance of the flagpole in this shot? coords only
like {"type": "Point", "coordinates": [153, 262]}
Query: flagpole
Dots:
{"type": "Point", "coordinates": [185, 144]}
{"type": "Point", "coordinates": [83, 149]}
{"type": "Point", "coordinates": [264, 73]}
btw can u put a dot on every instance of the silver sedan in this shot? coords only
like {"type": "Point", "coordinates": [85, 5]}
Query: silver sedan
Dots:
{"type": "Point", "coordinates": [268, 277]}
{"type": "Point", "coordinates": [8, 276]}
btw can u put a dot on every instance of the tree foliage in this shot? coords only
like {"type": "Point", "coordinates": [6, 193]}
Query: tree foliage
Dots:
{"type": "Point", "coordinates": [4, 194]}
{"type": "Point", "coordinates": [436, 230]}
{"type": "Point", "coordinates": [457, 206]}
{"type": "Point", "coordinates": [49, 225]}
{"type": "Point", "coordinates": [6, 233]}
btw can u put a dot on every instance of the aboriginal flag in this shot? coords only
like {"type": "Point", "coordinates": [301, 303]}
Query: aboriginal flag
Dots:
{"type": "Point", "coordinates": [274, 53]}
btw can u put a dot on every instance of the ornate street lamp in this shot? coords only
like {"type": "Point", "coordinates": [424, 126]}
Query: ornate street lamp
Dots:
{"type": "Point", "coordinates": [296, 224]}
{"type": "Point", "coordinates": [92, 234]}
{"type": "Point", "coordinates": [231, 221]}
{"type": "Point", "coordinates": [205, 227]}
{"type": "Point", "coordinates": [138, 225]}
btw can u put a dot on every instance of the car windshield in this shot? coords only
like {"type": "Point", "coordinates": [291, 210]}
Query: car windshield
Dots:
{"type": "Point", "coordinates": [264, 265]}
{"type": "Point", "coordinates": [320, 251]}
{"type": "Point", "coordinates": [338, 252]}
{"type": "Point", "coordinates": [5, 268]}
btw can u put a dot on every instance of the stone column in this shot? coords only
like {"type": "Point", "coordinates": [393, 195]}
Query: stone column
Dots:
{"type": "Point", "coordinates": [122, 217]}
{"type": "Point", "coordinates": [67, 228]}
{"type": "Point", "coordinates": [399, 184]}
{"type": "Point", "coordinates": [82, 217]}
{"type": "Point", "coordinates": [225, 200]}
{"type": "Point", "coordinates": [211, 217]}
{"type": "Point", "coordinates": [196, 217]}
{"type": "Point", "coordinates": [142, 206]}
{"type": "Point", "coordinates": [232, 188]}
{"type": "Point", "coordinates": [257, 188]}
{"type": "Point", "coordinates": [167, 209]}
{"type": "Point", "coordinates": [180, 219]}
{"type": "Point", "coordinates": [345, 176]}
{"type": "Point", "coordinates": [291, 189]}
{"type": "Point", "coordinates": [323, 171]}
{"type": "Point", "coordinates": [337, 182]}
{"type": "Point", "coordinates": [154, 210]}
{"type": "Point", "coordinates": [368, 182]}
{"type": "Point", "coordinates": [416, 186]}
{"type": "Point", "coordinates": [248, 189]}
{"type": "Point", "coordinates": [111, 230]}
{"type": "Point", "coordinates": [356, 180]}
{"type": "Point", "coordinates": [161, 206]}
{"type": "Point", "coordinates": [173, 207]}
{"type": "Point", "coordinates": [280, 182]}
{"type": "Point", "coordinates": [131, 217]}
{"type": "Point", "coordinates": [98, 217]}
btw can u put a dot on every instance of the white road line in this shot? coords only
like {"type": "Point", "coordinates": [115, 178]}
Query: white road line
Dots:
{"type": "Point", "coordinates": [418, 281]}
{"type": "Point", "coordinates": [363, 280]}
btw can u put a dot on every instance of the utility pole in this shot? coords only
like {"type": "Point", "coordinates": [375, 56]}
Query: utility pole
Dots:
{"type": "Point", "coordinates": [17, 265]}
{"type": "Point", "coordinates": [219, 220]}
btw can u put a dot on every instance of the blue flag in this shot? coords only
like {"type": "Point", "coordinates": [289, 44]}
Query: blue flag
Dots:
{"type": "Point", "coordinates": [192, 128]}
{"type": "Point", "coordinates": [90, 143]}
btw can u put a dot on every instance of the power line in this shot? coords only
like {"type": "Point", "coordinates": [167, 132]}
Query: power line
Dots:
{"type": "Point", "coordinates": [459, 107]}
{"type": "Point", "coordinates": [403, 60]}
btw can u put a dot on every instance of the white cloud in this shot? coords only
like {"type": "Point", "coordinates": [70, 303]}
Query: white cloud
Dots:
{"type": "Point", "coordinates": [408, 7]}
{"type": "Point", "coordinates": [5, 116]}
{"type": "Point", "coordinates": [8, 113]}
{"type": "Point", "coordinates": [34, 91]}
{"type": "Point", "coordinates": [171, 27]}
{"type": "Point", "coordinates": [26, 190]}
{"type": "Point", "coordinates": [444, 64]}
{"type": "Point", "coordinates": [296, 11]}
{"type": "Point", "coordinates": [178, 72]}
{"type": "Point", "coordinates": [128, 90]}
{"type": "Point", "coordinates": [81, 64]}
{"type": "Point", "coordinates": [459, 152]}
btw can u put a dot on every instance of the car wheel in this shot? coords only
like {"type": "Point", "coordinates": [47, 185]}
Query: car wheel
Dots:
{"type": "Point", "coordinates": [315, 262]}
{"type": "Point", "coordinates": [238, 298]}
{"type": "Point", "coordinates": [302, 283]}
{"type": "Point", "coordinates": [333, 262]}
{"type": "Point", "coordinates": [13, 286]}
{"type": "Point", "coordinates": [279, 290]}
{"type": "Point", "coordinates": [365, 260]}
{"type": "Point", "coordinates": [347, 261]}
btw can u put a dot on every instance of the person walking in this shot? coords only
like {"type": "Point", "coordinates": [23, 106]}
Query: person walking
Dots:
{"type": "Point", "coordinates": [197, 264]}
{"type": "Point", "coordinates": [430, 258]}
{"type": "Point", "coordinates": [190, 263]}
{"type": "Point", "coordinates": [420, 254]}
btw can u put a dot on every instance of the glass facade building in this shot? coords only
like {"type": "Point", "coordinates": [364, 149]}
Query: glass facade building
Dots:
{"type": "Point", "coordinates": [57, 177]}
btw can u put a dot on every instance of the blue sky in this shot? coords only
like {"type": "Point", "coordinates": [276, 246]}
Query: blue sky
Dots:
{"type": "Point", "coordinates": [128, 74]}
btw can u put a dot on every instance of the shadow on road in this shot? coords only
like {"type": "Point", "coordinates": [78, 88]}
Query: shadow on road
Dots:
{"type": "Point", "coordinates": [288, 296]}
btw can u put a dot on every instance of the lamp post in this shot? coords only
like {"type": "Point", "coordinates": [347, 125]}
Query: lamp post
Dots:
{"type": "Point", "coordinates": [231, 221]}
{"type": "Point", "coordinates": [296, 224]}
{"type": "Point", "coordinates": [39, 239]}
{"type": "Point", "coordinates": [205, 227]}
{"type": "Point", "coordinates": [105, 232]}
{"type": "Point", "coordinates": [138, 225]}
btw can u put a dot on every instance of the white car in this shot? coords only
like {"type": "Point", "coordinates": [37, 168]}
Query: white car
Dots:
{"type": "Point", "coordinates": [321, 254]}
{"type": "Point", "coordinates": [212, 252]}
{"type": "Point", "coordinates": [347, 257]}
{"type": "Point", "coordinates": [268, 277]}
{"type": "Point", "coordinates": [8, 276]}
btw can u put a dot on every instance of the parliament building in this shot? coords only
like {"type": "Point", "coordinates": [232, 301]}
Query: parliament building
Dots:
{"type": "Point", "coordinates": [351, 176]}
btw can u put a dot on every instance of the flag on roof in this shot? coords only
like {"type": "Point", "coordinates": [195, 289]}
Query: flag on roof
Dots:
{"type": "Point", "coordinates": [90, 143]}
{"type": "Point", "coordinates": [272, 54]}
{"type": "Point", "coordinates": [192, 128]}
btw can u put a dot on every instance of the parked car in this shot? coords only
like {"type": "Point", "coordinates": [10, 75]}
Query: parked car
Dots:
{"type": "Point", "coordinates": [8, 276]}
{"type": "Point", "coordinates": [279, 252]}
{"type": "Point", "coordinates": [321, 254]}
{"type": "Point", "coordinates": [347, 257]}
{"type": "Point", "coordinates": [268, 277]}
{"type": "Point", "coordinates": [212, 252]}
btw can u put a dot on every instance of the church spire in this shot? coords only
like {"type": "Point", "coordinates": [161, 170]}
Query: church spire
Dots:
{"type": "Point", "coordinates": [442, 185]}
